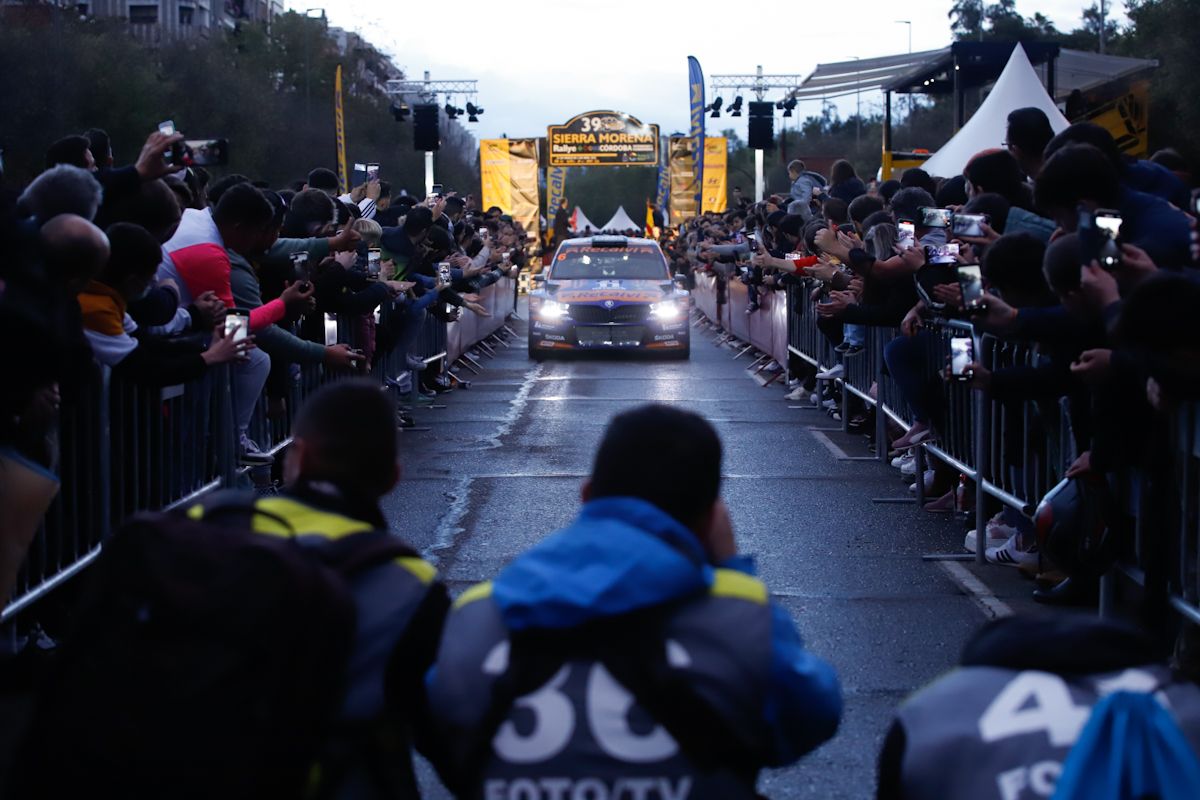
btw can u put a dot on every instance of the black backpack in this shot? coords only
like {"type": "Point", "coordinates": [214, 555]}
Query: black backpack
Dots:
{"type": "Point", "coordinates": [206, 661]}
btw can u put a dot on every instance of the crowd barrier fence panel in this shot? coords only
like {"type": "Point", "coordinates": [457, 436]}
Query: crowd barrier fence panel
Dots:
{"type": "Point", "coordinates": [124, 448]}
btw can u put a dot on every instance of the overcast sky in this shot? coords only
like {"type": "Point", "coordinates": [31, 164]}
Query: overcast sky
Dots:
{"type": "Point", "coordinates": [543, 62]}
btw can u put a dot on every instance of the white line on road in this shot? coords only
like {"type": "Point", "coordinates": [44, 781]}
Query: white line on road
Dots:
{"type": "Point", "coordinates": [451, 525]}
{"type": "Point", "coordinates": [991, 606]}
{"type": "Point", "coordinates": [838, 453]}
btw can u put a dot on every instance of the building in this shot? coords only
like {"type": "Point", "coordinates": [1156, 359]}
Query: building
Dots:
{"type": "Point", "coordinates": [161, 20]}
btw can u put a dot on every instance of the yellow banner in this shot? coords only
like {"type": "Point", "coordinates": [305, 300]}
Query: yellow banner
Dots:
{"type": "Point", "coordinates": [494, 174]}
{"type": "Point", "coordinates": [1127, 119]}
{"type": "Point", "coordinates": [508, 174]}
{"type": "Point", "coordinates": [681, 168]}
{"type": "Point", "coordinates": [716, 162]}
{"type": "Point", "coordinates": [683, 179]}
{"type": "Point", "coordinates": [340, 123]}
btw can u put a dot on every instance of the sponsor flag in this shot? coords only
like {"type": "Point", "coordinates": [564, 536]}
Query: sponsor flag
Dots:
{"type": "Point", "coordinates": [340, 124]}
{"type": "Point", "coordinates": [716, 160]}
{"type": "Point", "coordinates": [664, 179]}
{"type": "Point", "coordinates": [556, 186]}
{"type": "Point", "coordinates": [696, 131]}
{"type": "Point", "coordinates": [508, 176]}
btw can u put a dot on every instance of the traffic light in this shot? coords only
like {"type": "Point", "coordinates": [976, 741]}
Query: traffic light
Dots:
{"type": "Point", "coordinates": [762, 125]}
{"type": "Point", "coordinates": [425, 127]}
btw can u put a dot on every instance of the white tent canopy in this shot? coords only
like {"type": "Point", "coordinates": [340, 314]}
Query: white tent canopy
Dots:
{"type": "Point", "coordinates": [1017, 87]}
{"type": "Point", "coordinates": [621, 222]}
{"type": "Point", "coordinates": [580, 222]}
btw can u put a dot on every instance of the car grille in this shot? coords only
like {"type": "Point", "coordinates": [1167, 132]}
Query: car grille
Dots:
{"type": "Point", "coordinates": [610, 334]}
{"type": "Point", "coordinates": [598, 314]}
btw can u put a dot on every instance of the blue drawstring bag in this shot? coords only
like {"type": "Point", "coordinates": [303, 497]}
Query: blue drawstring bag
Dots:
{"type": "Point", "coordinates": [1131, 748]}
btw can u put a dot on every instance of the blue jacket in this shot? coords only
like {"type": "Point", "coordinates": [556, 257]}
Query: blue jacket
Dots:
{"type": "Point", "coordinates": [1151, 223]}
{"type": "Point", "coordinates": [623, 554]}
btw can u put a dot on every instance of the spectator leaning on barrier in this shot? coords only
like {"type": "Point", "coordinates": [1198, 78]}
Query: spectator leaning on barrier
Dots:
{"type": "Point", "coordinates": [643, 600]}
{"type": "Point", "coordinates": [112, 333]}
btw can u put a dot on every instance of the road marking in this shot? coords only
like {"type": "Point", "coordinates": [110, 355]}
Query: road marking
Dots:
{"type": "Point", "coordinates": [515, 407]}
{"type": "Point", "coordinates": [450, 526]}
{"type": "Point", "coordinates": [830, 445]}
{"type": "Point", "coordinates": [991, 606]}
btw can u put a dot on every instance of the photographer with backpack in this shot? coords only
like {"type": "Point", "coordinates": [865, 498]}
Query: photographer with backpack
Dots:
{"type": "Point", "coordinates": [256, 646]}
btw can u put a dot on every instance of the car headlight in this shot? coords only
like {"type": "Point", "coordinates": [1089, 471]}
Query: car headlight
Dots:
{"type": "Point", "coordinates": [666, 310]}
{"type": "Point", "coordinates": [552, 310]}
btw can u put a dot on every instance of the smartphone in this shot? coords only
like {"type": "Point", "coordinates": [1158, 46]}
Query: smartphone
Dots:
{"type": "Point", "coordinates": [1099, 233]}
{"type": "Point", "coordinates": [174, 156]}
{"type": "Point", "coordinates": [942, 253]}
{"type": "Point", "coordinates": [330, 330]}
{"type": "Point", "coordinates": [962, 353]}
{"type": "Point", "coordinates": [969, 224]}
{"type": "Point", "coordinates": [443, 268]}
{"type": "Point", "coordinates": [936, 217]}
{"type": "Point", "coordinates": [372, 172]}
{"type": "Point", "coordinates": [906, 235]}
{"type": "Point", "coordinates": [970, 281]}
{"type": "Point", "coordinates": [237, 324]}
{"type": "Point", "coordinates": [300, 266]}
{"type": "Point", "coordinates": [437, 190]}
{"type": "Point", "coordinates": [206, 152]}
{"type": "Point", "coordinates": [374, 262]}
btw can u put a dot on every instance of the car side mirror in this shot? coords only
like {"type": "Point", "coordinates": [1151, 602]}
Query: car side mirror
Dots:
{"type": "Point", "coordinates": [539, 277]}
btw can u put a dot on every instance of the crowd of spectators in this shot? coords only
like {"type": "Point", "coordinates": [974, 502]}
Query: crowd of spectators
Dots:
{"type": "Point", "coordinates": [1104, 318]}
{"type": "Point", "coordinates": [162, 273]}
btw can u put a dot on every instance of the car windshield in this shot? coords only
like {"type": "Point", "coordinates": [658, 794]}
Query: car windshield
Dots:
{"type": "Point", "coordinates": [587, 262]}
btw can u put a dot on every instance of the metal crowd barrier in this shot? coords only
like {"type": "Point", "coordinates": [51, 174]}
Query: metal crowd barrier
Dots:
{"type": "Point", "coordinates": [1014, 451]}
{"type": "Point", "coordinates": [125, 448]}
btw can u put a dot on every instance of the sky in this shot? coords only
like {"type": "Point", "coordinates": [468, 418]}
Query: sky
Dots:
{"type": "Point", "coordinates": [558, 58]}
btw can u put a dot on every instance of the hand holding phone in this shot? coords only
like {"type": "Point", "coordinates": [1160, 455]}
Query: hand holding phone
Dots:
{"type": "Point", "coordinates": [962, 355]}
{"type": "Point", "coordinates": [970, 281]}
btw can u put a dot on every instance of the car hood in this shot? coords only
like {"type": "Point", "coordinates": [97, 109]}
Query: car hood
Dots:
{"type": "Point", "coordinates": [615, 290]}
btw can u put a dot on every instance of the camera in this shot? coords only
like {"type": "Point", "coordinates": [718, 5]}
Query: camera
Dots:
{"type": "Point", "coordinates": [374, 260]}
{"type": "Point", "coordinates": [205, 152]}
{"type": "Point", "coordinates": [906, 236]}
{"type": "Point", "coordinates": [443, 269]}
{"type": "Point", "coordinates": [372, 172]}
{"type": "Point", "coordinates": [167, 128]}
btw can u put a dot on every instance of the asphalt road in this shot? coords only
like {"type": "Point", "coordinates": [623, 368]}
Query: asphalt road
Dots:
{"type": "Point", "coordinates": [501, 465]}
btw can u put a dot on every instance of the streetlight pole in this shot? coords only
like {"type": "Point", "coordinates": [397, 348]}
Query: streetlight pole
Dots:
{"type": "Point", "coordinates": [908, 22]}
{"type": "Point", "coordinates": [857, 109]}
{"type": "Point", "coordinates": [308, 13]}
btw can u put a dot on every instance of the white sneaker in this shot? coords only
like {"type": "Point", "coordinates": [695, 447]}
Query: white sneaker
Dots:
{"type": "Point", "coordinates": [930, 477]}
{"type": "Point", "coordinates": [972, 538]}
{"type": "Point", "coordinates": [815, 399]}
{"type": "Point", "coordinates": [1008, 555]}
{"type": "Point", "coordinates": [773, 366]}
{"type": "Point", "coordinates": [832, 374]}
{"type": "Point", "coordinates": [829, 404]}
{"type": "Point", "coordinates": [796, 394]}
{"type": "Point", "coordinates": [908, 468]}
{"type": "Point", "coordinates": [997, 528]}
{"type": "Point", "coordinates": [900, 459]}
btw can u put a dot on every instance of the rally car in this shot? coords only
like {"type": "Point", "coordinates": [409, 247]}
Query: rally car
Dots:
{"type": "Point", "coordinates": [608, 293]}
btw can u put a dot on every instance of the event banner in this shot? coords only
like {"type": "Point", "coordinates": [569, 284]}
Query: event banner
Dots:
{"type": "Point", "coordinates": [508, 174]}
{"type": "Point", "coordinates": [603, 138]}
{"type": "Point", "coordinates": [696, 129]}
{"type": "Point", "coordinates": [556, 183]}
{"type": "Point", "coordinates": [682, 200]}
{"type": "Point", "coordinates": [340, 126]}
{"type": "Point", "coordinates": [716, 163]}
{"type": "Point", "coordinates": [664, 181]}
{"type": "Point", "coordinates": [1126, 118]}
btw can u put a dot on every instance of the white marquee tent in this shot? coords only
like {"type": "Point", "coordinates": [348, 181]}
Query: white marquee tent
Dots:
{"type": "Point", "coordinates": [1017, 87]}
{"type": "Point", "coordinates": [621, 222]}
{"type": "Point", "coordinates": [580, 222]}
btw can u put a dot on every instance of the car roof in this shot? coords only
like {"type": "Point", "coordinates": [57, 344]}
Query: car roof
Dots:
{"type": "Point", "coordinates": [630, 241]}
